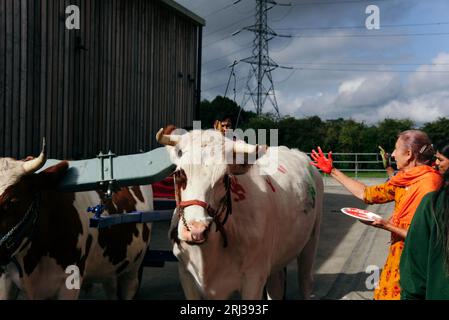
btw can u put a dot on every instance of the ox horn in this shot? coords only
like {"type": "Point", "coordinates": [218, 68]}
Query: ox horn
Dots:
{"type": "Point", "coordinates": [168, 140]}
{"type": "Point", "coordinates": [32, 166]}
{"type": "Point", "coordinates": [242, 147]}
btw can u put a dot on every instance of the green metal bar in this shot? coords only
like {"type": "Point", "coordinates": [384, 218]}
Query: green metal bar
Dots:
{"type": "Point", "coordinates": [123, 171]}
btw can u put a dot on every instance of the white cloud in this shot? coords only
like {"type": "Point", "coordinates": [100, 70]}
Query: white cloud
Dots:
{"type": "Point", "coordinates": [370, 91]}
{"type": "Point", "coordinates": [430, 78]}
{"type": "Point", "coordinates": [351, 86]}
{"type": "Point", "coordinates": [354, 96]}
{"type": "Point", "coordinates": [422, 97]}
{"type": "Point", "coordinates": [423, 108]}
{"type": "Point", "coordinates": [316, 88]}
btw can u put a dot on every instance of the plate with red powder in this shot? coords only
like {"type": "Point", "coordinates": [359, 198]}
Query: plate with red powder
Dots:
{"type": "Point", "coordinates": [360, 214]}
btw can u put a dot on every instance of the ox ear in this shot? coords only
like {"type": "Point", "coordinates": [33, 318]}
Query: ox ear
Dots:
{"type": "Point", "coordinates": [50, 178]}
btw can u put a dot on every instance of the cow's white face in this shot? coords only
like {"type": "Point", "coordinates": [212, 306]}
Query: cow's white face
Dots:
{"type": "Point", "coordinates": [201, 168]}
{"type": "Point", "coordinates": [204, 159]}
{"type": "Point", "coordinates": [205, 184]}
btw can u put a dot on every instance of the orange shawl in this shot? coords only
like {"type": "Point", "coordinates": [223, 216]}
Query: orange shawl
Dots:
{"type": "Point", "coordinates": [417, 182]}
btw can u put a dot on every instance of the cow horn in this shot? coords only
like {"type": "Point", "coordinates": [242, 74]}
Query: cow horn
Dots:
{"type": "Point", "coordinates": [32, 166]}
{"type": "Point", "coordinates": [242, 147]}
{"type": "Point", "coordinates": [168, 140]}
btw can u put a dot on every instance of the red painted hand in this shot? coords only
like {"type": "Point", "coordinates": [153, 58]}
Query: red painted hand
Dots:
{"type": "Point", "coordinates": [320, 161]}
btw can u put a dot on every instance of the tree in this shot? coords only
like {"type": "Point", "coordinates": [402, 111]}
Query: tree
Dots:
{"type": "Point", "coordinates": [332, 132]}
{"type": "Point", "coordinates": [264, 122]}
{"type": "Point", "coordinates": [304, 134]}
{"type": "Point", "coordinates": [438, 130]}
{"type": "Point", "coordinates": [337, 135]}
{"type": "Point", "coordinates": [221, 108]}
{"type": "Point", "coordinates": [369, 140]}
{"type": "Point", "coordinates": [349, 138]}
{"type": "Point", "coordinates": [288, 132]}
{"type": "Point", "coordinates": [388, 131]}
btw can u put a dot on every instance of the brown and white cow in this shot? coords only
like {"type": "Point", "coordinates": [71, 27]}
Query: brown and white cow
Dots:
{"type": "Point", "coordinates": [49, 231]}
{"type": "Point", "coordinates": [237, 226]}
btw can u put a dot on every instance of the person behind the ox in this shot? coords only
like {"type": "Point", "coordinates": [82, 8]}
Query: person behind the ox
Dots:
{"type": "Point", "coordinates": [413, 154]}
{"type": "Point", "coordinates": [225, 124]}
{"type": "Point", "coordinates": [424, 263]}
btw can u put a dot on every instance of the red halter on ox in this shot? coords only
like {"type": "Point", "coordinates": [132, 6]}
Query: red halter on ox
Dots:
{"type": "Point", "coordinates": [225, 203]}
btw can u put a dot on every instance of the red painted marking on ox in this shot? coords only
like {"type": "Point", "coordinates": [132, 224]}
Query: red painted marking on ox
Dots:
{"type": "Point", "coordinates": [237, 189]}
{"type": "Point", "coordinates": [282, 169]}
{"type": "Point", "coordinates": [270, 184]}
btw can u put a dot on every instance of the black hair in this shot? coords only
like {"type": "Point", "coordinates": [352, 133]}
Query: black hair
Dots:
{"type": "Point", "coordinates": [443, 148]}
{"type": "Point", "coordinates": [442, 220]}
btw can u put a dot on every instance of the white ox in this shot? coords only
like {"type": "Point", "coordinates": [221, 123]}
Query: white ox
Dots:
{"type": "Point", "coordinates": [275, 217]}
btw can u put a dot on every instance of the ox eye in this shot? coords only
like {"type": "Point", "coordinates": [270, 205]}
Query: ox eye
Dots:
{"type": "Point", "coordinates": [179, 153]}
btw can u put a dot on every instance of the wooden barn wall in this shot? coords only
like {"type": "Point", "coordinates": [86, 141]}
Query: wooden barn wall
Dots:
{"type": "Point", "coordinates": [129, 70]}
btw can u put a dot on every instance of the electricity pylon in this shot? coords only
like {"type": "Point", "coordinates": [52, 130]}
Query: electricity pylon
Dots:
{"type": "Point", "coordinates": [260, 85]}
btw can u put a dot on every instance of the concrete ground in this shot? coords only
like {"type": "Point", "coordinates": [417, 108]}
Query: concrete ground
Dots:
{"type": "Point", "coordinates": [347, 248]}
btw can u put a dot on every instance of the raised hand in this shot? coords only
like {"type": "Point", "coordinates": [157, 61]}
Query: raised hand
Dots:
{"type": "Point", "coordinates": [321, 162]}
{"type": "Point", "coordinates": [385, 157]}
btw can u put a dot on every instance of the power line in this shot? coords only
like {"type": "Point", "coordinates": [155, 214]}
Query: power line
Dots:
{"type": "Point", "coordinates": [289, 76]}
{"type": "Point", "coordinates": [352, 35]}
{"type": "Point", "coordinates": [373, 70]}
{"type": "Point", "coordinates": [285, 15]}
{"type": "Point", "coordinates": [369, 63]}
{"type": "Point", "coordinates": [227, 55]}
{"type": "Point", "coordinates": [221, 85]}
{"type": "Point", "coordinates": [219, 10]}
{"type": "Point", "coordinates": [218, 40]}
{"type": "Point", "coordinates": [196, 7]}
{"type": "Point", "coordinates": [336, 27]}
{"type": "Point", "coordinates": [364, 27]}
{"type": "Point", "coordinates": [216, 70]}
{"type": "Point", "coordinates": [336, 2]}
{"type": "Point", "coordinates": [228, 26]}
{"type": "Point", "coordinates": [373, 35]}
{"type": "Point", "coordinates": [345, 70]}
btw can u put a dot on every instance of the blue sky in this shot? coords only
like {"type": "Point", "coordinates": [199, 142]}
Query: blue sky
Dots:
{"type": "Point", "coordinates": [428, 11]}
{"type": "Point", "coordinates": [341, 69]}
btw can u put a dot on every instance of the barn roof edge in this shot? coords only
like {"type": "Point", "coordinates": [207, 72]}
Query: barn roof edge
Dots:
{"type": "Point", "coordinates": [178, 7]}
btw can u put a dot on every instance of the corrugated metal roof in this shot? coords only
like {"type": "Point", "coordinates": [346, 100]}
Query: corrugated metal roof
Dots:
{"type": "Point", "coordinates": [184, 11]}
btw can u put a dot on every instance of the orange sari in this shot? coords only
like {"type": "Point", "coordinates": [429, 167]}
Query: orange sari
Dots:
{"type": "Point", "coordinates": [407, 190]}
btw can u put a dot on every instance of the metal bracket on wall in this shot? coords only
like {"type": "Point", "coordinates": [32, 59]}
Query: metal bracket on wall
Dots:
{"type": "Point", "coordinates": [107, 183]}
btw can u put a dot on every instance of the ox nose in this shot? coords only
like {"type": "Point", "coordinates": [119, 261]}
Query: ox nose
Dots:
{"type": "Point", "coordinates": [198, 231]}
